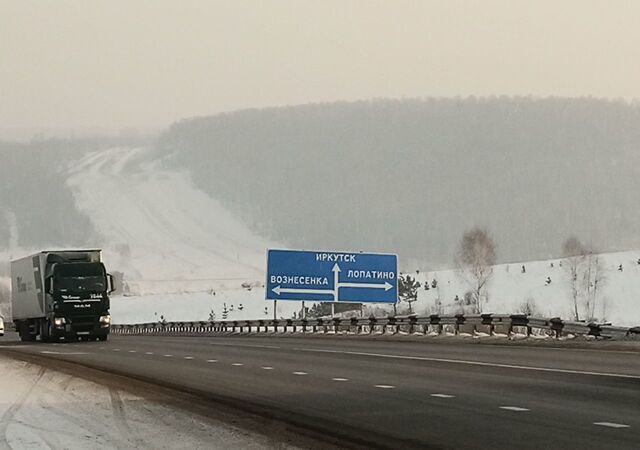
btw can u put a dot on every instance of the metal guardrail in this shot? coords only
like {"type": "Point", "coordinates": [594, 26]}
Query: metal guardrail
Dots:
{"type": "Point", "coordinates": [480, 324]}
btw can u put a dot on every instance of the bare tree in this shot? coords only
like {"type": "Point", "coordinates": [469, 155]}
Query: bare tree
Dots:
{"type": "Point", "coordinates": [574, 253]}
{"type": "Point", "coordinates": [476, 256]}
{"type": "Point", "coordinates": [586, 277]}
{"type": "Point", "coordinates": [593, 280]}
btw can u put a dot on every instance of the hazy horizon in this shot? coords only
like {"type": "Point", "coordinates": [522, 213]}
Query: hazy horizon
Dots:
{"type": "Point", "coordinates": [123, 66]}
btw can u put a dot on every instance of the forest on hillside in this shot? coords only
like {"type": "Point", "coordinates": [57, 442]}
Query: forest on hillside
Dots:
{"type": "Point", "coordinates": [36, 206]}
{"type": "Point", "coordinates": [409, 176]}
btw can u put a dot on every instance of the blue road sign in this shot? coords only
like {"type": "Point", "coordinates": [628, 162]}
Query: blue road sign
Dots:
{"type": "Point", "coordinates": [331, 276]}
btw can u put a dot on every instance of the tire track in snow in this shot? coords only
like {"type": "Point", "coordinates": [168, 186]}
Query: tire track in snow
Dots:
{"type": "Point", "coordinates": [117, 408]}
{"type": "Point", "coordinates": [8, 416]}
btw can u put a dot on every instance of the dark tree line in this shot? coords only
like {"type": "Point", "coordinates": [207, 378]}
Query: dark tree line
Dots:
{"type": "Point", "coordinates": [371, 175]}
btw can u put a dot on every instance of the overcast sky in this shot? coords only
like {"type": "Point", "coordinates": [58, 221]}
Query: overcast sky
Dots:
{"type": "Point", "coordinates": [129, 63]}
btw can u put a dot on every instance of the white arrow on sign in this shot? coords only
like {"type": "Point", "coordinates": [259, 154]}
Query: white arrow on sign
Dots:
{"type": "Point", "coordinates": [336, 281]}
{"type": "Point", "coordinates": [280, 290]}
{"type": "Point", "coordinates": [386, 286]}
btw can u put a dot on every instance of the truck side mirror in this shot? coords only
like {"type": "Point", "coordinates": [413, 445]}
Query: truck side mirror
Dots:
{"type": "Point", "coordinates": [112, 284]}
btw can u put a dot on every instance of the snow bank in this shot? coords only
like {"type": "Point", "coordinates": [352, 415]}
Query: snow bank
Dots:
{"type": "Point", "coordinates": [41, 408]}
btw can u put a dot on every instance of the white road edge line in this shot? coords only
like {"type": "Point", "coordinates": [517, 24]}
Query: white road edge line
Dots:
{"type": "Point", "coordinates": [473, 363]}
{"type": "Point", "coordinates": [243, 345]}
{"type": "Point", "coordinates": [514, 408]}
{"type": "Point", "coordinates": [611, 424]}
{"type": "Point", "coordinates": [47, 352]}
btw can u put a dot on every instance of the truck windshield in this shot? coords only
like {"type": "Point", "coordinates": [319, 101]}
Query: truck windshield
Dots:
{"type": "Point", "coordinates": [80, 277]}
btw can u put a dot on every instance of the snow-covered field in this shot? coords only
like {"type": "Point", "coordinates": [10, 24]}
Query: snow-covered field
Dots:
{"type": "Point", "coordinates": [184, 255]}
{"type": "Point", "coordinates": [617, 301]}
{"type": "Point", "coordinates": [45, 409]}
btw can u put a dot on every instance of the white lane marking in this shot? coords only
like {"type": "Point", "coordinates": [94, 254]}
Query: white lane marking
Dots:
{"type": "Point", "coordinates": [212, 360]}
{"type": "Point", "coordinates": [442, 395]}
{"type": "Point", "coordinates": [116, 349]}
{"type": "Point", "coordinates": [148, 353]}
{"type": "Point", "coordinates": [473, 363]}
{"type": "Point", "coordinates": [340, 379]}
{"type": "Point", "coordinates": [384, 386]}
{"type": "Point", "coordinates": [300, 373]}
{"type": "Point", "coordinates": [188, 357]}
{"type": "Point", "coordinates": [237, 364]}
{"type": "Point", "coordinates": [47, 352]}
{"type": "Point", "coordinates": [20, 346]}
{"type": "Point", "coordinates": [514, 408]}
{"type": "Point", "coordinates": [611, 424]}
{"type": "Point", "coordinates": [561, 349]}
{"type": "Point", "coordinates": [132, 351]}
{"type": "Point", "coordinates": [267, 368]}
{"type": "Point", "coordinates": [101, 348]}
{"type": "Point", "coordinates": [243, 345]}
{"type": "Point", "coordinates": [168, 356]}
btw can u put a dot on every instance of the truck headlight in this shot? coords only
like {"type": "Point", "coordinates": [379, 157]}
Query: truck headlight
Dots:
{"type": "Point", "coordinates": [105, 320]}
{"type": "Point", "coordinates": [59, 321]}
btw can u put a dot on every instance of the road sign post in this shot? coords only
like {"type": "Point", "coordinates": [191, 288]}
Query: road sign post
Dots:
{"type": "Point", "coordinates": [339, 277]}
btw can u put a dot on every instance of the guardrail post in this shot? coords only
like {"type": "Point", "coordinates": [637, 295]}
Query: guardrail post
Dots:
{"type": "Point", "coordinates": [556, 326]}
{"type": "Point", "coordinates": [459, 321]}
{"type": "Point", "coordinates": [391, 321]}
{"type": "Point", "coordinates": [434, 319]}
{"type": "Point", "coordinates": [372, 324]}
{"type": "Point", "coordinates": [413, 319]}
{"type": "Point", "coordinates": [487, 320]}
{"type": "Point", "coordinates": [336, 324]}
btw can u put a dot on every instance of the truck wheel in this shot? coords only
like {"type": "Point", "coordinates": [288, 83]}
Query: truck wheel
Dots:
{"type": "Point", "coordinates": [45, 333]}
{"type": "Point", "coordinates": [27, 337]}
{"type": "Point", "coordinates": [25, 334]}
{"type": "Point", "coordinates": [102, 338]}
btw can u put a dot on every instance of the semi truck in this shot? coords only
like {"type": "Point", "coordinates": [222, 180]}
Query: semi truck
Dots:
{"type": "Point", "coordinates": [61, 294]}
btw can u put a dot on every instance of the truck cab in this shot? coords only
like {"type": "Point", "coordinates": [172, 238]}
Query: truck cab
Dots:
{"type": "Point", "coordinates": [79, 300]}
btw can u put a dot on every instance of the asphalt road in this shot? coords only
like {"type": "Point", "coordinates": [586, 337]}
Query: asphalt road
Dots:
{"type": "Point", "coordinates": [389, 394]}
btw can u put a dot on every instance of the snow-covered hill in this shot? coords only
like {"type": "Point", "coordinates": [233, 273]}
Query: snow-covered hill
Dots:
{"type": "Point", "coordinates": [158, 229]}
{"type": "Point", "coordinates": [168, 238]}
{"type": "Point", "coordinates": [184, 255]}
